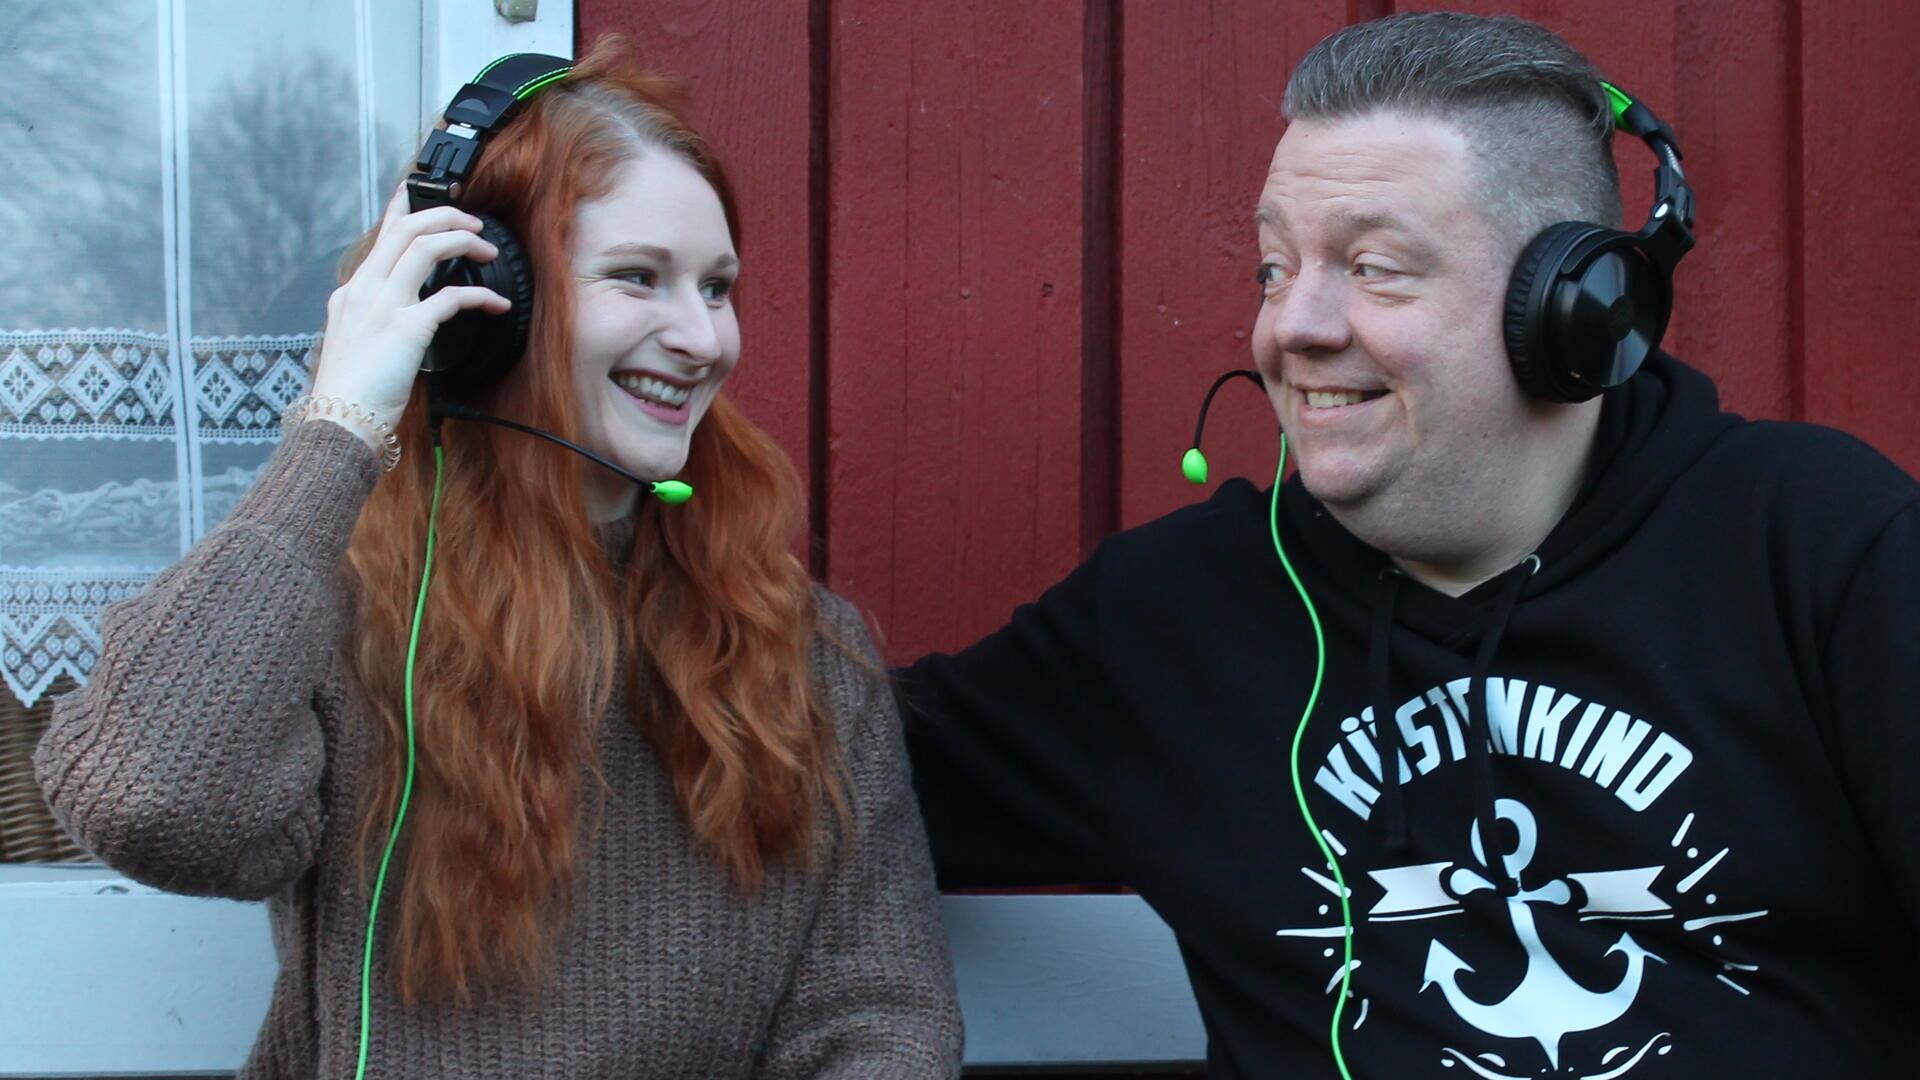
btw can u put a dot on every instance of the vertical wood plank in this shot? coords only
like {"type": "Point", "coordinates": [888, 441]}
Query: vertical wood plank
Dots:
{"type": "Point", "coordinates": [1200, 114]}
{"type": "Point", "coordinates": [1099, 276]}
{"type": "Point", "coordinates": [1860, 163]}
{"type": "Point", "coordinates": [748, 66]}
{"type": "Point", "coordinates": [954, 322]}
{"type": "Point", "coordinates": [1732, 65]}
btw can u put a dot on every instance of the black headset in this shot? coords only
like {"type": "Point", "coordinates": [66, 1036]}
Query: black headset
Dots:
{"type": "Point", "coordinates": [475, 347]}
{"type": "Point", "coordinates": [1587, 304]}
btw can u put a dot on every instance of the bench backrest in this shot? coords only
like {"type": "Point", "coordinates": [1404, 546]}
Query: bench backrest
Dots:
{"type": "Point", "coordinates": [101, 977]}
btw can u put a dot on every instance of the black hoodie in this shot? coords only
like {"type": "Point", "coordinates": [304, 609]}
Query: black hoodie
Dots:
{"type": "Point", "coordinates": [1705, 694]}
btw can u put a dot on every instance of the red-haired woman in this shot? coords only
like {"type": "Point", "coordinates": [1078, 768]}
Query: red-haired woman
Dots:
{"type": "Point", "coordinates": [659, 822]}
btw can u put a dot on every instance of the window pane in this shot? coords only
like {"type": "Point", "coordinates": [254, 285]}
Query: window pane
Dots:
{"type": "Point", "coordinates": [177, 182]}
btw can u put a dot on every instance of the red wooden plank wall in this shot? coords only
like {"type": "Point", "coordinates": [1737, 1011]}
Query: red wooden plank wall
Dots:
{"type": "Point", "coordinates": [995, 249]}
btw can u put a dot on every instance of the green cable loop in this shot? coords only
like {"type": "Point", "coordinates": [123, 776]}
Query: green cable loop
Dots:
{"type": "Point", "coordinates": [406, 789]}
{"type": "Point", "coordinates": [1300, 793]}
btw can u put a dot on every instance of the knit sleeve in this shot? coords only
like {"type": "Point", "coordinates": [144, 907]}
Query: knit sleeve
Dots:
{"type": "Point", "coordinates": [873, 993]}
{"type": "Point", "coordinates": [192, 758]}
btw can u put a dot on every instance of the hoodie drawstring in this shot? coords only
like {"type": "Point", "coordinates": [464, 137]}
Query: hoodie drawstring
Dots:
{"type": "Point", "coordinates": [1480, 728]}
{"type": "Point", "coordinates": [1479, 733]}
{"type": "Point", "coordinates": [1393, 806]}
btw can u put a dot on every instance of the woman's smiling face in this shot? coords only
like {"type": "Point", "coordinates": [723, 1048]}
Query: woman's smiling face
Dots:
{"type": "Point", "coordinates": [655, 332]}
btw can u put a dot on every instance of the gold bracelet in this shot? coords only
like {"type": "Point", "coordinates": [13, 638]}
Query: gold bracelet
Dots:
{"type": "Point", "coordinates": [340, 409]}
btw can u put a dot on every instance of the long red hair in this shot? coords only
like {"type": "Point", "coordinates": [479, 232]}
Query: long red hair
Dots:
{"type": "Point", "coordinates": [527, 617]}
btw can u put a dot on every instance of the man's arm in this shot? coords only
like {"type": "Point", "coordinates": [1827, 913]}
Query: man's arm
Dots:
{"type": "Point", "coordinates": [1013, 743]}
{"type": "Point", "coordinates": [1873, 657]}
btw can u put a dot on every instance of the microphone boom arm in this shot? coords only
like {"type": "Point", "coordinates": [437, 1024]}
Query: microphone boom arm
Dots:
{"type": "Point", "coordinates": [670, 491]}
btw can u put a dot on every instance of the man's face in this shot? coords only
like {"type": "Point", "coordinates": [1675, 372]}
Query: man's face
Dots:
{"type": "Point", "coordinates": [1379, 332]}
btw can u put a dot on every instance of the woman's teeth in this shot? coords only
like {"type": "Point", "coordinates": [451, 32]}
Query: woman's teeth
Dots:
{"type": "Point", "coordinates": [651, 389]}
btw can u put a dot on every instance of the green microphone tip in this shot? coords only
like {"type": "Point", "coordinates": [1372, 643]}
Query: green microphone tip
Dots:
{"type": "Point", "coordinates": [673, 492]}
{"type": "Point", "coordinates": [1194, 466]}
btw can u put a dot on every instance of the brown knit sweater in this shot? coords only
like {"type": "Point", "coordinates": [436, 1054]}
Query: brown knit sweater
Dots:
{"type": "Point", "coordinates": [220, 749]}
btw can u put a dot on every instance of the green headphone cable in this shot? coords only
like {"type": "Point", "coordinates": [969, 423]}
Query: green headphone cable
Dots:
{"type": "Point", "coordinates": [1299, 792]}
{"type": "Point", "coordinates": [1320, 667]}
{"type": "Point", "coordinates": [406, 789]}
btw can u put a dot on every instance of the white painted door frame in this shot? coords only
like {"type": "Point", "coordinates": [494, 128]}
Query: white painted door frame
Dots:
{"type": "Point", "coordinates": [459, 37]}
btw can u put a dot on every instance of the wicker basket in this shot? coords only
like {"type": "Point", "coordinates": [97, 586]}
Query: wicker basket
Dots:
{"type": "Point", "coordinates": [28, 832]}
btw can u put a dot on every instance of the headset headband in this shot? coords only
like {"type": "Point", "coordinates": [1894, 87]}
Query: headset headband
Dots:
{"type": "Point", "coordinates": [1668, 233]}
{"type": "Point", "coordinates": [478, 110]}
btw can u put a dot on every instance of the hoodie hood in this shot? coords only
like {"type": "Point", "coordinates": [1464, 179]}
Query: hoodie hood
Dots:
{"type": "Point", "coordinates": [1651, 430]}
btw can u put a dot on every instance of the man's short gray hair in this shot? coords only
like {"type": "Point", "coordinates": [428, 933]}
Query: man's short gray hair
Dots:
{"type": "Point", "coordinates": [1533, 111]}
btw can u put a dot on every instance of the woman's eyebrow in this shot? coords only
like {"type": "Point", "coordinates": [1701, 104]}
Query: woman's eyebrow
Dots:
{"type": "Point", "coordinates": [650, 251]}
{"type": "Point", "coordinates": [657, 253]}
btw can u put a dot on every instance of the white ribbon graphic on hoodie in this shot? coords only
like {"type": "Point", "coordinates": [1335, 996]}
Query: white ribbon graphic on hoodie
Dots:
{"type": "Point", "coordinates": [1620, 754]}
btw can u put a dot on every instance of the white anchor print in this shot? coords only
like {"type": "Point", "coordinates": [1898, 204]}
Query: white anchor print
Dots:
{"type": "Point", "coordinates": [1547, 1004]}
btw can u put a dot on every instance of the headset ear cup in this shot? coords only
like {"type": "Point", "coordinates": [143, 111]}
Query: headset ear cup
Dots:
{"type": "Point", "coordinates": [1530, 337]}
{"type": "Point", "coordinates": [476, 347]}
{"type": "Point", "coordinates": [511, 275]}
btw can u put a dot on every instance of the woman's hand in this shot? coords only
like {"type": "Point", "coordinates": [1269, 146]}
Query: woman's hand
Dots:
{"type": "Point", "coordinates": [378, 328]}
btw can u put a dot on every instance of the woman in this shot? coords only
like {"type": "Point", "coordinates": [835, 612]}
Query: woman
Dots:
{"type": "Point", "coordinates": [658, 821]}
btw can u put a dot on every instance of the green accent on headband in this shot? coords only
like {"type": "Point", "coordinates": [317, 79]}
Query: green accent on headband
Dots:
{"type": "Point", "coordinates": [1194, 466]}
{"type": "Point", "coordinates": [672, 492]}
{"type": "Point", "coordinates": [532, 86]}
{"type": "Point", "coordinates": [1621, 103]}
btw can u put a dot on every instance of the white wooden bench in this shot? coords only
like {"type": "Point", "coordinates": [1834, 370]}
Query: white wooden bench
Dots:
{"type": "Point", "coordinates": [102, 977]}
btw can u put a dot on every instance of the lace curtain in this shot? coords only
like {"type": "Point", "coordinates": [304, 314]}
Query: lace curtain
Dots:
{"type": "Point", "coordinates": [178, 179]}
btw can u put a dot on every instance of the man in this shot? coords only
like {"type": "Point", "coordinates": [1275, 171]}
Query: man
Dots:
{"type": "Point", "coordinates": [1618, 696]}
